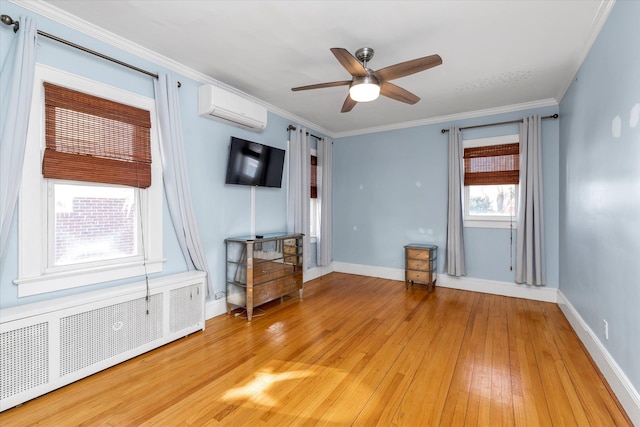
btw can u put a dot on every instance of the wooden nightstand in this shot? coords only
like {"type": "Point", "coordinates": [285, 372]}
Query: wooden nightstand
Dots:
{"type": "Point", "coordinates": [421, 265]}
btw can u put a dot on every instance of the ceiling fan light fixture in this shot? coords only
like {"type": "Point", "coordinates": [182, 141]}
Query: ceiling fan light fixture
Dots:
{"type": "Point", "coordinates": [364, 89]}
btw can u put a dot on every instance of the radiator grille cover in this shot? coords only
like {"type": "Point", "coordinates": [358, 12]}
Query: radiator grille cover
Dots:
{"type": "Point", "coordinates": [24, 353]}
{"type": "Point", "coordinates": [186, 308]}
{"type": "Point", "coordinates": [93, 336]}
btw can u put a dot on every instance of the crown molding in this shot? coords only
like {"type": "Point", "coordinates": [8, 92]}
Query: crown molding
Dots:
{"type": "Point", "coordinates": [550, 102]}
{"type": "Point", "coordinates": [49, 11]}
{"type": "Point", "coordinates": [597, 23]}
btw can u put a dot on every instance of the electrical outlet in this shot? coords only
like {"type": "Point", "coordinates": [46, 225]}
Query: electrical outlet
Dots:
{"type": "Point", "coordinates": [605, 326]}
{"type": "Point", "coordinates": [219, 295]}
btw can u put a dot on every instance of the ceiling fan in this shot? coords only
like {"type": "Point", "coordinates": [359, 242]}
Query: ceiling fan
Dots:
{"type": "Point", "coordinates": [367, 84]}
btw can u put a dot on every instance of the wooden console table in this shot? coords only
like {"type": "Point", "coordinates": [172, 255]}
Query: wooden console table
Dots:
{"type": "Point", "coordinates": [261, 269]}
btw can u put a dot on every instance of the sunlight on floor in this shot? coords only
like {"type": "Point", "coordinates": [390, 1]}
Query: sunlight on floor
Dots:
{"type": "Point", "coordinates": [273, 389]}
{"type": "Point", "coordinates": [256, 390]}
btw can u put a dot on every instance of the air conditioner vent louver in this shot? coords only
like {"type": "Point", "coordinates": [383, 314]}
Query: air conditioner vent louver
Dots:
{"type": "Point", "coordinates": [218, 104]}
{"type": "Point", "coordinates": [24, 354]}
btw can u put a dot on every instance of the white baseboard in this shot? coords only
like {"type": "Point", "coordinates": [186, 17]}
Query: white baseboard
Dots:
{"type": "Point", "coordinates": [618, 381]}
{"type": "Point", "coordinates": [215, 308]}
{"type": "Point", "coordinates": [315, 272]}
{"type": "Point", "coordinates": [537, 293]}
{"type": "Point", "coordinates": [369, 270]}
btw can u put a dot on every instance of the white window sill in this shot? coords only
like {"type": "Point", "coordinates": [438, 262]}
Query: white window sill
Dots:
{"type": "Point", "coordinates": [490, 223]}
{"type": "Point", "coordinates": [313, 239]}
{"type": "Point", "coordinates": [50, 282]}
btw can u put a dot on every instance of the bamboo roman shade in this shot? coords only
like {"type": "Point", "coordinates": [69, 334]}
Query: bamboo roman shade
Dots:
{"type": "Point", "coordinates": [492, 164]}
{"type": "Point", "coordinates": [93, 139]}
{"type": "Point", "coordinates": [314, 177]}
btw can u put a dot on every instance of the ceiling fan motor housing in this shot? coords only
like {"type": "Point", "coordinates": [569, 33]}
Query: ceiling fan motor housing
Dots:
{"type": "Point", "coordinates": [370, 78]}
{"type": "Point", "coordinates": [364, 54]}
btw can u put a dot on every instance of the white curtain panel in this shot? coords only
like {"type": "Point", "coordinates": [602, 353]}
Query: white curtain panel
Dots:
{"type": "Point", "coordinates": [454, 263]}
{"type": "Point", "coordinates": [174, 171]}
{"type": "Point", "coordinates": [298, 186]}
{"type": "Point", "coordinates": [530, 265]}
{"type": "Point", "coordinates": [16, 87]}
{"type": "Point", "coordinates": [324, 254]}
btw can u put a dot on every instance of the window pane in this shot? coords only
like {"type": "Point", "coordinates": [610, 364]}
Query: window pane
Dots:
{"type": "Point", "coordinates": [314, 211]}
{"type": "Point", "coordinates": [94, 223]}
{"type": "Point", "coordinates": [492, 200]}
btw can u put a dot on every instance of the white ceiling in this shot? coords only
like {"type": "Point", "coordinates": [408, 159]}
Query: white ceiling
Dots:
{"type": "Point", "coordinates": [497, 55]}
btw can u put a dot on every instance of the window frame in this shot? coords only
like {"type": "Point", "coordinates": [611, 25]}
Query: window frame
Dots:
{"type": "Point", "coordinates": [34, 275]}
{"type": "Point", "coordinates": [488, 221]}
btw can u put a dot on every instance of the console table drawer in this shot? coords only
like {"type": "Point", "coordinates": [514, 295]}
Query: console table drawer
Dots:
{"type": "Point", "coordinates": [266, 271]}
{"type": "Point", "coordinates": [276, 288]}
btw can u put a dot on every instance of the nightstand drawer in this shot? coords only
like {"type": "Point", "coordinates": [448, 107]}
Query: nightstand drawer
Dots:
{"type": "Point", "coordinates": [419, 276]}
{"type": "Point", "coordinates": [421, 264]}
{"type": "Point", "coordinates": [419, 253]}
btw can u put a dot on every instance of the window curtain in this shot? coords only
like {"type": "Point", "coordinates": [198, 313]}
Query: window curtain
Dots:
{"type": "Point", "coordinates": [298, 220]}
{"type": "Point", "coordinates": [454, 263]}
{"type": "Point", "coordinates": [530, 268]}
{"type": "Point", "coordinates": [16, 87]}
{"type": "Point", "coordinates": [324, 253]}
{"type": "Point", "coordinates": [174, 171]}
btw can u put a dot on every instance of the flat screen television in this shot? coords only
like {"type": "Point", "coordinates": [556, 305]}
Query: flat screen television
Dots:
{"type": "Point", "coordinates": [251, 163]}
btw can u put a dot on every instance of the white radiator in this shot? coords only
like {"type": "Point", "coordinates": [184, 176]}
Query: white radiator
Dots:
{"type": "Point", "coordinates": [47, 345]}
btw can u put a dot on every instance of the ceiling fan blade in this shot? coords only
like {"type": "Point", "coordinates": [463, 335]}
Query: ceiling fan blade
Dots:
{"type": "Point", "coordinates": [349, 62]}
{"type": "Point", "coordinates": [396, 92]}
{"type": "Point", "coordinates": [322, 85]}
{"type": "Point", "coordinates": [348, 104]}
{"type": "Point", "coordinates": [407, 68]}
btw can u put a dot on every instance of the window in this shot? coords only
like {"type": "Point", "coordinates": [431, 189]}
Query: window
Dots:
{"type": "Point", "coordinates": [91, 223]}
{"type": "Point", "coordinates": [90, 207]}
{"type": "Point", "coordinates": [314, 204]}
{"type": "Point", "coordinates": [491, 176]}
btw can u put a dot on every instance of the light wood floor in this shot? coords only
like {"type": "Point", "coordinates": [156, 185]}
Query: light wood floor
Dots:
{"type": "Point", "coordinates": [355, 351]}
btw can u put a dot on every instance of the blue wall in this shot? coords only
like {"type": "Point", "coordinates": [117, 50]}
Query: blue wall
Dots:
{"type": "Point", "coordinates": [221, 210]}
{"type": "Point", "coordinates": [390, 189]}
{"type": "Point", "coordinates": [600, 188]}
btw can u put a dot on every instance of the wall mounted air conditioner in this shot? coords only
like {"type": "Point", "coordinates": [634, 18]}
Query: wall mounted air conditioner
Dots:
{"type": "Point", "coordinates": [218, 104]}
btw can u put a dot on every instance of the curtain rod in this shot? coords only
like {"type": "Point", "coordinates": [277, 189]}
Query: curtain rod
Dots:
{"type": "Point", "coordinates": [7, 20]}
{"type": "Point", "coordinates": [554, 116]}
{"type": "Point", "coordinates": [292, 127]}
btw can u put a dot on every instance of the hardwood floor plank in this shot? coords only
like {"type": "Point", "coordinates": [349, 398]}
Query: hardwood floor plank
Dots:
{"type": "Point", "coordinates": [354, 351]}
{"type": "Point", "coordinates": [455, 409]}
{"type": "Point", "coordinates": [501, 408]}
